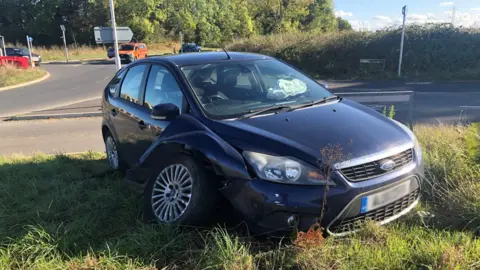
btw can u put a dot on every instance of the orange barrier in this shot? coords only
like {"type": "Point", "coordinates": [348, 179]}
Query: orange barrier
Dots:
{"type": "Point", "coordinates": [18, 61]}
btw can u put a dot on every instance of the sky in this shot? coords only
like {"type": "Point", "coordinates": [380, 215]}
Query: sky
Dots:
{"type": "Point", "coordinates": [377, 14]}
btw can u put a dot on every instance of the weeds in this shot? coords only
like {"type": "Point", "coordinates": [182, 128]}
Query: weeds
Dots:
{"type": "Point", "coordinates": [452, 189]}
{"type": "Point", "coordinates": [391, 111]}
{"type": "Point", "coordinates": [11, 75]}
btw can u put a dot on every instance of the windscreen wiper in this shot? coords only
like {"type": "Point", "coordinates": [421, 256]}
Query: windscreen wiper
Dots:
{"type": "Point", "coordinates": [315, 102]}
{"type": "Point", "coordinates": [264, 110]}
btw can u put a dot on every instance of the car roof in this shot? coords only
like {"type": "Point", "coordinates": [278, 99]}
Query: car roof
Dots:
{"type": "Point", "coordinates": [205, 57]}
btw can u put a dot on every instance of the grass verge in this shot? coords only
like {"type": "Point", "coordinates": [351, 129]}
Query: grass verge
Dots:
{"type": "Point", "coordinates": [10, 75]}
{"type": "Point", "coordinates": [70, 212]}
{"type": "Point", "coordinates": [57, 53]}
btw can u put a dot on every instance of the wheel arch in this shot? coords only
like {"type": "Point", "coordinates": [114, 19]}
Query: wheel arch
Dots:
{"type": "Point", "coordinates": [105, 131]}
{"type": "Point", "coordinates": [186, 135]}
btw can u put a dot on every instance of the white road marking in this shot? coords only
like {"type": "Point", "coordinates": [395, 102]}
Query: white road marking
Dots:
{"type": "Point", "coordinates": [419, 83]}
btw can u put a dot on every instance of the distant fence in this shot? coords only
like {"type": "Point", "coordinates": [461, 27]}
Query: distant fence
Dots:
{"type": "Point", "coordinates": [386, 98]}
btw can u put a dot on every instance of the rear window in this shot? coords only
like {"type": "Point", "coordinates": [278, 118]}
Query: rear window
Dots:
{"type": "Point", "coordinates": [127, 47]}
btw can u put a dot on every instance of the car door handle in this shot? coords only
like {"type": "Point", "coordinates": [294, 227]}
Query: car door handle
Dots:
{"type": "Point", "coordinates": [142, 125]}
{"type": "Point", "coordinates": [114, 112]}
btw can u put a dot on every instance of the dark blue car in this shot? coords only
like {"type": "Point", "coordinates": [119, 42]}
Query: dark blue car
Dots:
{"type": "Point", "coordinates": [190, 47]}
{"type": "Point", "coordinates": [282, 149]}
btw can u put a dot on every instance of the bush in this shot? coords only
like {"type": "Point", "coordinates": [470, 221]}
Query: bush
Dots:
{"type": "Point", "coordinates": [430, 51]}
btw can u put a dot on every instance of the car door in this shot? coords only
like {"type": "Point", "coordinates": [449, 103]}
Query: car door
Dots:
{"type": "Point", "coordinates": [161, 87]}
{"type": "Point", "coordinates": [126, 108]}
{"type": "Point", "coordinates": [10, 52]}
{"type": "Point", "coordinates": [145, 50]}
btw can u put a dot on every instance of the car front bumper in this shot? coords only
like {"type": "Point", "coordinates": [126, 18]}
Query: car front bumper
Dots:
{"type": "Point", "coordinates": [270, 207]}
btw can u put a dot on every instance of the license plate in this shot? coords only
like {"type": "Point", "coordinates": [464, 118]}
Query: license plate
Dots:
{"type": "Point", "coordinates": [379, 199]}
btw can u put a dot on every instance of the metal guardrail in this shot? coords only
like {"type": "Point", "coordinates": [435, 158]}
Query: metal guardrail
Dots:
{"type": "Point", "coordinates": [387, 97]}
{"type": "Point", "coordinates": [463, 118]}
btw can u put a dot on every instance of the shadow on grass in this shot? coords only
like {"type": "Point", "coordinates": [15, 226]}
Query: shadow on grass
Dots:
{"type": "Point", "coordinates": [78, 202]}
{"type": "Point", "coordinates": [71, 212]}
{"type": "Point", "coordinates": [76, 206]}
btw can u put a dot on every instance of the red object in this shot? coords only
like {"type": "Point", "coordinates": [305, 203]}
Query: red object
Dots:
{"type": "Point", "coordinates": [19, 61]}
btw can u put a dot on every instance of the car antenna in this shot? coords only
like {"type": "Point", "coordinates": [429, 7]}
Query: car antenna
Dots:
{"type": "Point", "coordinates": [228, 55]}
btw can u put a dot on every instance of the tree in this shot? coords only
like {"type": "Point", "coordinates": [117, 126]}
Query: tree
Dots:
{"type": "Point", "coordinates": [343, 25]}
{"type": "Point", "coordinates": [210, 22]}
{"type": "Point", "coordinates": [321, 17]}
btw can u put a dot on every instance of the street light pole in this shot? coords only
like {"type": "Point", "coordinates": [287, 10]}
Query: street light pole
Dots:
{"type": "Point", "coordinates": [404, 12]}
{"type": "Point", "coordinates": [115, 39]}
{"type": "Point", "coordinates": [29, 39]}
{"type": "Point", "coordinates": [62, 27]}
{"type": "Point", "coordinates": [4, 50]}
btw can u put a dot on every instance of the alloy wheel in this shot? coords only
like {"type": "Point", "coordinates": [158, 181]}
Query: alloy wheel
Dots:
{"type": "Point", "coordinates": [172, 192]}
{"type": "Point", "coordinates": [112, 152]}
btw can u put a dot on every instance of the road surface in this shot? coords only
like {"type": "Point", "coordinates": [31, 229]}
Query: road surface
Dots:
{"type": "Point", "coordinates": [76, 88]}
{"type": "Point", "coordinates": [67, 84]}
{"type": "Point", "coordinates": [51, 136]}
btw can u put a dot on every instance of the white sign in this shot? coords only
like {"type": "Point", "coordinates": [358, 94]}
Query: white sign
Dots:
{"type": "Point", "coordinates": [105, 34]}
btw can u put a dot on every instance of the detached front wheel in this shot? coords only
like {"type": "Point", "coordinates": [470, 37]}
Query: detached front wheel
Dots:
{"type": "Point", "coordinates": [179, 193]}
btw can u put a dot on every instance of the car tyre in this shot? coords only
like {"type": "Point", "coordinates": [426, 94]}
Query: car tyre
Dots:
{"type": "Point", "coordinates": [113, 156]}
{"type": "Point", "coordinates": [179, 192]}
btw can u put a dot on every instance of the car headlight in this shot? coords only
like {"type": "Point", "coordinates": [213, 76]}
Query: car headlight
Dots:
{"type": "Point", "coordinates": [417, 148]}
{"type": "Point", "coordinates": [285, 170]}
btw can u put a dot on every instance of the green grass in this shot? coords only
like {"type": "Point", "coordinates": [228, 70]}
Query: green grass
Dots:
{"type": "Point", "coordinates": [10, 75]}
{"type": "Point", "coordinates": [70, 212]}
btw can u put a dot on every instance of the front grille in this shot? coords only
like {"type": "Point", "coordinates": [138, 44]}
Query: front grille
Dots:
{"type": "Point", "coordinates": [372, 169]}
{"type": "Point", "coordinates": [377, 215]}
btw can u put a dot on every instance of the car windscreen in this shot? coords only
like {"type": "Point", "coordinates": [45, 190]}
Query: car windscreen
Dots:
{"type": "Point", "coordinates": [127, 47]}
{"type": "Point", "coordinates": [233, 88]}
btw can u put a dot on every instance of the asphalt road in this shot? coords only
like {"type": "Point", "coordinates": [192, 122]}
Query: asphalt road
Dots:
{"type": "Point", "coordinates": [67, 84]}
{"type": "Point", "coordinates": [77, 88]}
{"type": "Point", "coordinates": [449, 103]}
{"type": "Point", "coordinates": [51, 136]}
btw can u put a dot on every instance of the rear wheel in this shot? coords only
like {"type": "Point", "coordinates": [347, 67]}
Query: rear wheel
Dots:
{"type": "Point", "coordinates": [179, 193]}
{"type": "Point", "coordinates": [113, 157]}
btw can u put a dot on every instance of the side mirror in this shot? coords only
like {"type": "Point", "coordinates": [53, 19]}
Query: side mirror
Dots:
{"type": "Point", "coordinates": [167, 111]}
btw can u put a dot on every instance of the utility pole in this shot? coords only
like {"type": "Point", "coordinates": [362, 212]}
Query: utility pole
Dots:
{"type": "Point", "coordinates": [4, 50]}
{"type": "Point", "coordinates": [118, 64]}
{"type": "Point", "coordinates": [62, 27]}
{"type": "Point", "coordinates": [29, 44]}
{"type": "Point", "coordinates": [181, 40]}
{"type": "Point", "coordinates": [404, 12]}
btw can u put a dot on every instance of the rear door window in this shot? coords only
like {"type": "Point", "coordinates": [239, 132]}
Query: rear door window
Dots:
{"type": "Point", "coordinates": [132, 84]}
{"type": "Point", "coordinates": [115, 82]}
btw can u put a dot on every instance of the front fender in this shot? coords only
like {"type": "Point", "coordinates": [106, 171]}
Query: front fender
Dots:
{"type": "Point", "coordinates": [187, 134]}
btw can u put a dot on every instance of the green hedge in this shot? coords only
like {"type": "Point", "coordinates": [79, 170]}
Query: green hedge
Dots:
{"type": "Point", "coordinates": [437, 51]}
